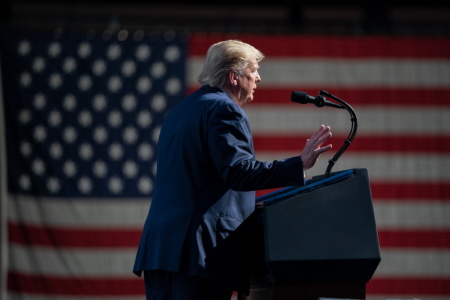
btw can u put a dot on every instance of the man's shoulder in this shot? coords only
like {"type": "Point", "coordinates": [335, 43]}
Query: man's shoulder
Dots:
{"type": "Point", "coordinates": [210, 101]}
{"type": "Point", "coordinates": [213, 97]}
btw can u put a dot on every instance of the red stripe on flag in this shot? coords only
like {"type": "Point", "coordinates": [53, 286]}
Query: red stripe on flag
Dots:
{"type": "Point", "coordinates": [409, 286]}
{"type": "Point", "coordinates": [329, 46]}
{"type": "Point", "coordinates": [417, 238]}
{"type": "Point", "coordinates": [361, 96]}
{"type": "Point", "coordinates": [48, 236]}
{"type": "Point", "coordinates": [73, 286]}
{"type": "Point", "coordinates": [75, 238]}
{"type": "Point", "coordinates": [428, 97]}
{"type": "Point", "coordinates": [427, 191]}
{"type": "Point", "coordinates": [438, 191]}
{"type": "Point", "coordinates": [372, 143]}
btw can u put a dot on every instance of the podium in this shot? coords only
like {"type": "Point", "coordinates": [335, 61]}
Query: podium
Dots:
{"type": "Point", "coordinates": [304, 243]}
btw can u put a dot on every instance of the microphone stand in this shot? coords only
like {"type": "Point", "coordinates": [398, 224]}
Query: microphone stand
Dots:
{"type": "Point", "coordinates": [350, 136]}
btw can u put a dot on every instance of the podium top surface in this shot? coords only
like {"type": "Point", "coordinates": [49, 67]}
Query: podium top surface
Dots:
{"type": "Point", "coordinates": [312, 184]}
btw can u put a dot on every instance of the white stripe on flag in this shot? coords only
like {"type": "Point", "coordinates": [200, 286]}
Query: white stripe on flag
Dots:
{"type": "Point", "coordinates": [79, 213]}
{"type": "Point", "coordinates": [116, 264]}
{"type": "Point", "coordinates": [363, 72]}
{"type": "Point", "coordinates": [410, 214]}
{"type": "Point", "coordinates": [266, 119]}
{"type": "Point", "coordinates": [414, 263]}
{"type": "Point", "coordinates": [102, 262]}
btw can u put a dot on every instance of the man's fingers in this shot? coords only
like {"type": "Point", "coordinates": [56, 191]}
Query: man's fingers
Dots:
{"type": "Point", "coordinates": [320, 133]}
{"type": "Point", "coordinates": [322, 130]}
{"type": "Point", "coordinates": [323, 149]}
{"type": "Point", "coordinates": [324, 138]}
{"type": "Point", "coordinates": [316, 142]}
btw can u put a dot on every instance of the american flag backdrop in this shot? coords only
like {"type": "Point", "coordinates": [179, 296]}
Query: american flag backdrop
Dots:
{"type": "Point", "coordinates": [82, 116]}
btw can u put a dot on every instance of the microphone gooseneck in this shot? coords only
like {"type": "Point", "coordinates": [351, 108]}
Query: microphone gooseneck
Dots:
{"type": "Point", "coordinates": [351, 134]}
{"type": "Point", "coordinates": [320, 101]}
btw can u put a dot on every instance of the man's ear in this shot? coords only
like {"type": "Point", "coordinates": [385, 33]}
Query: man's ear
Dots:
{"type": "Point", "coordinates": [233, 76]}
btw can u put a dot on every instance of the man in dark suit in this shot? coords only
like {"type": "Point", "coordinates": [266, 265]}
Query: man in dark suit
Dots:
{"type": "Point", "coordinates": [207, 174]}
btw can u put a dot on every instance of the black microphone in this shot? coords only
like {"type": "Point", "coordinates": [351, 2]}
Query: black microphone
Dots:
{"type": "Point", "coordinates": [319, 101]}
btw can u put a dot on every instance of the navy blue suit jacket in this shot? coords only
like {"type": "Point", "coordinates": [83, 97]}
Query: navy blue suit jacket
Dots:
{"type": "Point", "coordinates": [205, 182]}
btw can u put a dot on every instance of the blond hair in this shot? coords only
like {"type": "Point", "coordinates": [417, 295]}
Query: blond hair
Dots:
{"type": "Point", "coordinates": [224, 57]}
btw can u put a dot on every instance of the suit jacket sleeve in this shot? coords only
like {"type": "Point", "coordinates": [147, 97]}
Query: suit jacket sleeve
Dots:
{"type": "Point", "coordinates": [231, 144]}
